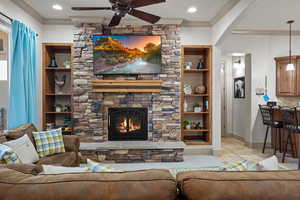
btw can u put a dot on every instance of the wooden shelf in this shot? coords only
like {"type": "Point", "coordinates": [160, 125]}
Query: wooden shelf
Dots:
{"type": "Point", "coordinates": [195, 77]}
{"type": "Point", "coordinates": [62, 52]}
{"type": "Point", "coordinates": [62, 113]}
{"type": "Point", "coordinates": [196, 70]}
{"type": "Point", "coordinates": [196, 142]}
{"type": "Point", "coordinates": [52, 94]}
{"type": "Point", "coordinates": [196, 130]}
{"type": "Point", "coordinates": [195, 113]}
{"type": "Point", "coordinates": [196, 95]}
{"type": "Point", "coordinates": [127, 86]}
{"type": "Point", "coordinates": [58, 68]}
{"type": "Point", "coordinates": [127, 90]}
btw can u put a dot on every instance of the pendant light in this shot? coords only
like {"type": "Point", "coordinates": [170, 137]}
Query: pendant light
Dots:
{"type": "Point", "coordinates": [290, 66]}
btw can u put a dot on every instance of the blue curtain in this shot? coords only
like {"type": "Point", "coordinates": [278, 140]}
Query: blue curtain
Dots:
{"type": "Point", "coordinates": [23, 77]}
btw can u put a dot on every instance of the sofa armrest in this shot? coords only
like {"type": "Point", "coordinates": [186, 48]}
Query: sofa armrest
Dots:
{"type": "Point", "coordinates": [71, 143]}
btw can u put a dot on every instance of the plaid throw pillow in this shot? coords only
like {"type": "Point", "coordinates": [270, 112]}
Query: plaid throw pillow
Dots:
{"type": "Point", "coordinates": [8, 156]}
{"type": "Point", "coordinates": [49, 142]}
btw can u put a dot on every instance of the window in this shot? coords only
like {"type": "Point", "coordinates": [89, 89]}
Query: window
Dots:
{"type": "Point", "coordinates": [3, 70]}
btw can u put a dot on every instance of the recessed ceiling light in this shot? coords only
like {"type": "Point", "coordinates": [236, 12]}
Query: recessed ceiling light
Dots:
{"type": "Point", "coordinates": [57, 7]}
{"type": "Point", "coordinates": [192, 9]}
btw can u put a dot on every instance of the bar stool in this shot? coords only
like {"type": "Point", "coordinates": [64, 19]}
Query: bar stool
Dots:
{"type": "Point", "coordinates": [290, 123]}
{"type": "Point", "coordinates": [267, 116]}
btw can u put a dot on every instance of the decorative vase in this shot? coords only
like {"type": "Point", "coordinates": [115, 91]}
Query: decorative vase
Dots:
{"type": "Point", "coordinates": [185, 106]}
{"type": "Point", "coordinates": [52, 62]}
{"type": "Point", "coordinates": [188, 127]}
{"type": "Point", "coordinates": [200, 64]}
{"type": "Point", "coordinates": [201, 89]}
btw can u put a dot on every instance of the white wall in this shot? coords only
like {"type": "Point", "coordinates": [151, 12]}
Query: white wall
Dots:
{"type": "Point", "coordinates": [195, 36]}
{"type": "Point", "coordinates": [263, 50]}
{"type": "Point", "coordinates": [58, 33]}
{"type": "Point", "coordinates": [13, 11]}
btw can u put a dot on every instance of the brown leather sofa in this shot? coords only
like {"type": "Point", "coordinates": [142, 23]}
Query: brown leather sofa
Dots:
{"type": "Point", "coordinates": [22, 182]}
{"type": "Point", "coordinates": [268, 185]}
{"type": "Point", "coordinates": [138, 185]}
{"type": "Point", "coordinates": [68, 159]}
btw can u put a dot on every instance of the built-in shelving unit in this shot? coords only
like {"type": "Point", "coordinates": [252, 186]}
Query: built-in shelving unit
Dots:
{"type": "Point", "coordinates": [52, 93]}
{"type": "Point", "coordinates": [196, 77]}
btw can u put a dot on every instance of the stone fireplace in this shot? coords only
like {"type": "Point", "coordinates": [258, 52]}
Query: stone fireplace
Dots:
{"type": "Point", "coordinates": [127, 124]}
{"type": "Point", "coordinates": [91, 109]}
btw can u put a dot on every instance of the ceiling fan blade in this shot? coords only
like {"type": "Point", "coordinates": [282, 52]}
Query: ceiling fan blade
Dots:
{"type": "Point", "coordinates": [115, 21]}
{"type": "Point", "coordinates": [91, 8]}
{"type": "Point", "coordinates": [144, 16]}
{"type": "Point", "coordinates": [141, 3]}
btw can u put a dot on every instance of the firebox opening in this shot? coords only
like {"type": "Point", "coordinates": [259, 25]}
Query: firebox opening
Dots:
{"type": "Point", "coordinates": [127, 124]}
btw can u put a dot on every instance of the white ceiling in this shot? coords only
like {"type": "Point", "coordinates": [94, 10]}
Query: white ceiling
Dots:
{"type": "Point", "coordinates": [270, 15]}
{"type": "Point", "coordinates": [174, 9]}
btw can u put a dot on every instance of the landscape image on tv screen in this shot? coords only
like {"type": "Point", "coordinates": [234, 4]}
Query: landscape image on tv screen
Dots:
{"type": "Point", "coordinates": [127, 54]}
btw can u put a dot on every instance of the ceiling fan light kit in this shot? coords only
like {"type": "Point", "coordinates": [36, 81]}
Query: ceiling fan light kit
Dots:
{"type": "Point", "coordinates": [123, 7]}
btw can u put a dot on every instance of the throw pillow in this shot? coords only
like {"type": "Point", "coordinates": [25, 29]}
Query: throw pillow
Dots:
{"type": "Point", "coordinates": [49, 142]}
{"type": "Point", "coordinates": [49, 169]}
{"type": "Point", "coordinates": [8, 156]}
{"type": "Point", "coordinates": [268, 164]}
{"type": "Point", "coordinates": [24, 148]}
{"type": "Point", "coordinates": [96, 167]}
{"type": "Point", "coordinates": [236, 166]}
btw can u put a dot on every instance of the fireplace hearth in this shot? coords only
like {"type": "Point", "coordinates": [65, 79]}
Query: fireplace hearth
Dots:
{"type": "Point", "coordinates": [127, 124]}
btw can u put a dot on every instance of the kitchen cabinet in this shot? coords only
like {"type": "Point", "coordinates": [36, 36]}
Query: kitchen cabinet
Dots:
{"type": "Point", "coordinates": [287, 82]}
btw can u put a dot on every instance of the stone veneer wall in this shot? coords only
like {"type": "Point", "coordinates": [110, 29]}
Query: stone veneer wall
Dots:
{"type": "Point", "coordinates": [164, 114]}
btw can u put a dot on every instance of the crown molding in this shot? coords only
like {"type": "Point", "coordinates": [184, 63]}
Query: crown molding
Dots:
{"type": "Point", "coordinates": [29, 10]}
{"type": "Point", "coordinates": [58, 22]}
{"type": "Point", "coordinates": [187, 23]}
{"type": "Point", "coordinates": [263, 32]}
{"type": "Point", "coordinates": [77, 21]}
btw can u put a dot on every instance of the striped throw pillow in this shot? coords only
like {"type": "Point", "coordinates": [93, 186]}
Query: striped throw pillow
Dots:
{"type": "Point", "coordinates": [49, 142]}
{"type": "Point", "coordinates": [8, 156]}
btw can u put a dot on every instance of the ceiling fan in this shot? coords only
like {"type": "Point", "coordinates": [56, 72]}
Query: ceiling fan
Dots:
{"type": "Point", "coordinates": [123, 7]}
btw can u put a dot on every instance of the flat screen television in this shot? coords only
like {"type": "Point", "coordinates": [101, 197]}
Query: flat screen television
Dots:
{"type": "Point", "coordinates": [127, 54]}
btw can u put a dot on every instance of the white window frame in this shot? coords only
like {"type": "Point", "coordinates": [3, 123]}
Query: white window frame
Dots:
{"type": "Point", "coordinates": [4, 27]}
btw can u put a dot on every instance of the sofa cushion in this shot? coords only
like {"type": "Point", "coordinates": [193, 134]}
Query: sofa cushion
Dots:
{"type": "Point", "coordinates": [275, 185]}
{"type": "Point", "coordinates": [67, 159]}
{"type": "Point", "coordinates": [20, 131]}
{"type": "Point", "coordinates": [24, 148]}
{"type": "Point", "coordinates": [49, 142]}
{"type": "Point", "coordinates": [137, 185]}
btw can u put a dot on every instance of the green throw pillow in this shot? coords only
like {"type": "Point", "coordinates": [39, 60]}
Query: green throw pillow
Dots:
{"type": "Point", "coordinates": [49, 142]}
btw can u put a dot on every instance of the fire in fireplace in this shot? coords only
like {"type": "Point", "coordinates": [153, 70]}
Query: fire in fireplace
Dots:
{"type": "Point", "coordinates": [127, 124]}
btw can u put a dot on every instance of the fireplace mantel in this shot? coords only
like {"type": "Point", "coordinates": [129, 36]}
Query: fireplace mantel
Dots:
{"type": "Point", "coordinates": [127, 86]}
